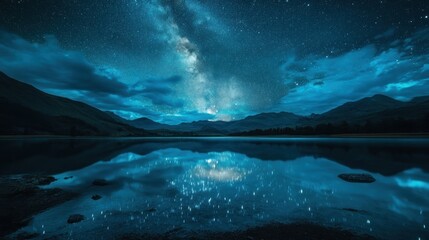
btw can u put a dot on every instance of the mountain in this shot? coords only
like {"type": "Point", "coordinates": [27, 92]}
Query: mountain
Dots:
{"type": "Point", "coordinates": [266, 120]}
{"type": "Point", "coordinates": [417, 108]}
{"type": "Point", "coordinates": [420, 99]}
{"type": "Point", "coordinates": [116, 117]}
{"type": "Point", "coordinates": [358, 110]}
{"type": "Point", "coordinates": [375, 109]}
{"type": "Point", "coordinates": [259, 121]}
{"type": "Point", "coordinates": [376, 114]}
{"type": "Point", "coordinates": [27, 110]}
{"type": "Point", "coordinates": [147, 124]}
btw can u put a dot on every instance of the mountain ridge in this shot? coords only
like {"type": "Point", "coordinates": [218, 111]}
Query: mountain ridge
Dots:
{"type": "Point", "coordinates": [37, 112]}
{"type": "Point", "coordinates": [354, 112]}
{"type": "Point", "coordinates": [82, 119]}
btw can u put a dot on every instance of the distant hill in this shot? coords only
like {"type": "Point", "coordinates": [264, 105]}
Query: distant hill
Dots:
{"type": "Point", "coordinates": [147, 124]}
{"type": "Point", "coordinates": [116, 117]}
{"type": "Point", "coordinates": [352, 111]}
{"type": "Point", "coordinates": [263, 121]}
{"type": "Point", "coordinates": [27, 110]}
{"type": "Point", "coordinates": [376, 114]}
{"type": "Point", "coordinates": [374, 109]}
{"type": "Point", "coordinates": [266, 120]}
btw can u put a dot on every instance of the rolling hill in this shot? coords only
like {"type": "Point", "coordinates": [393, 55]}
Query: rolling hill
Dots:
{"type": "Point", "coordinates": [374, 109]}
{"type": "Point", "coordinates": [27, 110]}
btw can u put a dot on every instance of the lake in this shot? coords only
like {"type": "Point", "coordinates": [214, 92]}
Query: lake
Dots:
{"type": "Point", "coordinates": [192, 186]}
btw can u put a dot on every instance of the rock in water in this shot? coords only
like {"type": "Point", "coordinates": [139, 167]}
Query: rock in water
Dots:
{"type": "Point", "coordinates": [27, 235]}
{"type": "Point", "coordinates": [99, 182]}
{"type": "Point", "coordinates": [151, 210]}
{"type": "Point", "coordinates": [21, 198]}
{"type": "Point", "coordinates": [75, 218]}
{"type": "Point", "coordinates": [357, 178]}
{"type": "Point", "coordinates": [38, 180]}
{"type": "Point", "coordinates": [46, 180]}
{"type": "Point", "coordinates": [95, 197]}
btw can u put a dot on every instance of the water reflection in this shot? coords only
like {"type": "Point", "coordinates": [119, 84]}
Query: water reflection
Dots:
{"type": "Point", "coordinates": [204, 185]}
{"type": "Point", "coordinates": [385, 156]}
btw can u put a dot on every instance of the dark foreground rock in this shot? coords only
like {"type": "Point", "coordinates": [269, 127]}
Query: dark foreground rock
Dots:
{"type": "Point", "coordinates": [276, 231]}
{"type": "Point", "coordinates": [151, 210]}
{"type": "Point", "coordinates": [100, 182]}
{"type": "Point", "coordinates": [27, 235]}
{"type": "Point", "coordinates": [21, 198]}
{"type": "Point", "coordinates": [357, 178]}
{"type": "Point", "coordinates": [354, 210]}
{"type": "Point", "coordinates": [95, 197]}
{"type": "Point", "coordinates": [75, 218]}
{"type": "Point", "coordinates": [38, 180]}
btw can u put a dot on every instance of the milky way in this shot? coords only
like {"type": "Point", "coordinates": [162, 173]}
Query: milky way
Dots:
{"type": "Point", "coordinates": [179, 61]}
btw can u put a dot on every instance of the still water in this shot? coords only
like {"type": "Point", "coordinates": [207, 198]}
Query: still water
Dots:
{"type": "Point", "coordinates": [192, 185]}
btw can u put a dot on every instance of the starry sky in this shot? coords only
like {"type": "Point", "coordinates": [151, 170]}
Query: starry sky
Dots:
{"type": "Point", "coordinates": [186, 60]}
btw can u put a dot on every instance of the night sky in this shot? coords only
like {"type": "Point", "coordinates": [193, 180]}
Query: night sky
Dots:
{"type": "Point", "coordinates": [179, 61]}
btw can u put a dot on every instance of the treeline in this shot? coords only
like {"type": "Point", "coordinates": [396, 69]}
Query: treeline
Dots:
{"type": "Point", "coordinates": [397, 125]}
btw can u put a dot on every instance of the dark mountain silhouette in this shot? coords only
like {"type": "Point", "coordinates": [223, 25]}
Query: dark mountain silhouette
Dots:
{"type": "Point", "coordinates": [27, 110]}
{"type": "Point", "coordinates": [147, 124]}
{"type": "Point", "coordinates": [420, 99]}
{"type": "Point", "coordinates": [116, 117]}
{"type": "Point", "coordinates": [376, 114]}
{"type": "Point", "coordinates": [263, 120]}
{"type": "Point", "coordinates": [369, 111]}
{"type": "Point", "coordinates": [354, 111]}
{"type": "Point", "coordinates": [377, 108]}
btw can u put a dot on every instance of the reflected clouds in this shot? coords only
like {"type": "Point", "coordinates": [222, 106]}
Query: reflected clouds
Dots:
{"type": "Point", "coordinates": [221, 191]}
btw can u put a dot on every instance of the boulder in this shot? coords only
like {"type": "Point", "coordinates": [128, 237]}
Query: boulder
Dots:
{"type": "Point", "coordinates": [151, 210]}
{"type": "Point", "coordinates": [357, 177]}
{"type": "Point", "coordinates": [75, 218]}
{"type": "Point", "coordinates": [100, 182]}
{"type": "Point", "coordinates": [38, 180]}
{"type": "Point", "coordinates": [95, 197]}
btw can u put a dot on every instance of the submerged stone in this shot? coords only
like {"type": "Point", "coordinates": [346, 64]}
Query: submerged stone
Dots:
{"type": "Point", "coordinates": [354, 210]}
{"type": "Point", "coordinates": [21, 198]}
{"type": "Point", "coordinates": [357, 178]}
{"type": "Point", "coordinates": [38, 180]}
{"type": "Point", "coordinates": [75, 218]}
{"type": "Point", "coordinates": [27, 235]}
{"type": "Point", "coordinates": [100, 182]}
{"type": "Point", "coordinates": [151, 210]}
{"type": "Point", "coordinates": [95, 197]}
{"type": "Point", "coordinates": [46, 180]}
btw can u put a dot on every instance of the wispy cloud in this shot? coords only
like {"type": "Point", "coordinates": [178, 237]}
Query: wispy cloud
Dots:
{"type": "Point", "coordinates": [398, 70]}
{"type": "Point", "coordinates": [48, 66]}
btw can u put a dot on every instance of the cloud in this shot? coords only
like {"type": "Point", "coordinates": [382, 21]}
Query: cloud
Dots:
{"type": "Point", "coordinates": [48, 66]}
{"type": "Point", "coordinates": [161, 91]}
{"type": "Point", "coordinates": [67, 73]}
{"type": "Point", "coordinates": [319, 84]}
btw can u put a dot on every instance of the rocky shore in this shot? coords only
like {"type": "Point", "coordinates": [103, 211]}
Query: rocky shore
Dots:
{"type": "Point", "coordinates": [274, 231]}
{"type": "Point", "coordinates": [21, 197]}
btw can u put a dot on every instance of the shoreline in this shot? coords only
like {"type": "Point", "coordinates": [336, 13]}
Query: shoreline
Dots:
{"type": "Point", "coordinates": [333, 136]}
{"type": "Point", "coordinates": [274, 231]}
